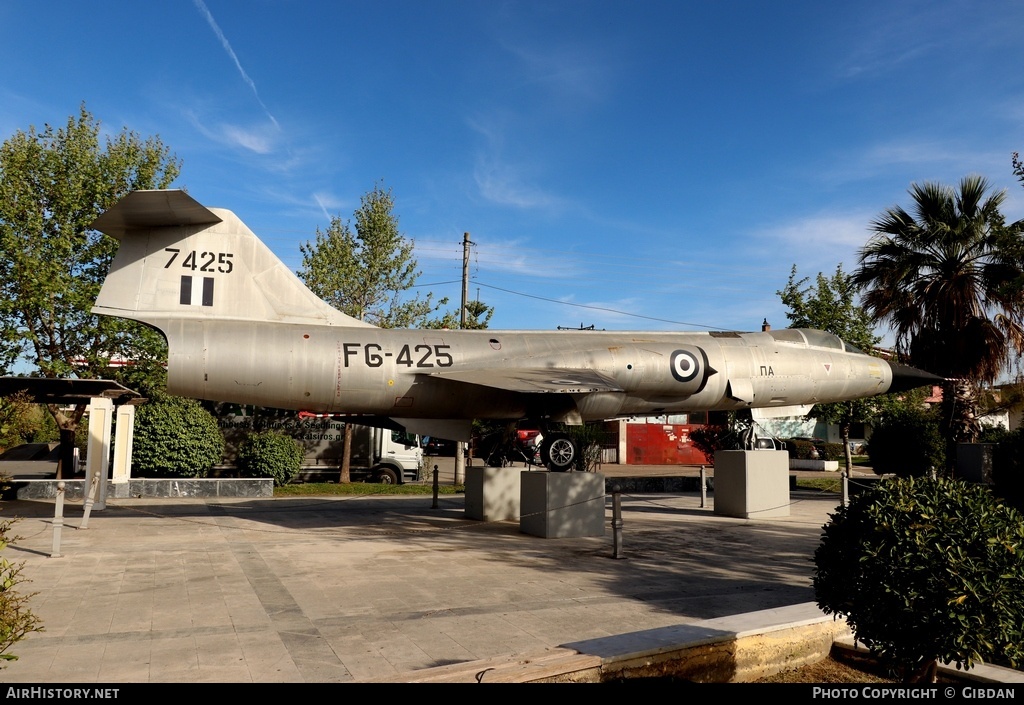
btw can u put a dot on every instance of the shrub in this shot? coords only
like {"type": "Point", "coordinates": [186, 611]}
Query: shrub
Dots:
{"type": "Point", "coordinates": [588, 439]}
{"type": "Point", "coordinates": [16, 620]}
{"type": "Point", "coordinates": [834, 451]}
{"type": "Point", "coordinates": [708, 439]}
{"type": "Point", "coordinates": [270, 454]}
{"type": "Point", "coordinates": [907, 442]}
{"type": "Point", "coordinates": [175, 436]}
{"type": "Point", "coordinates": [924, 570]}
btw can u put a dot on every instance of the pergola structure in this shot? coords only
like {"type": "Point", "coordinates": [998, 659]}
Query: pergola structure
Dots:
{"type": "Point", "coordinates": [106, 398]}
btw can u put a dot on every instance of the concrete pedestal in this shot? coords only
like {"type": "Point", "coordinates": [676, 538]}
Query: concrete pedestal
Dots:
{"type": "Point", "coordinates": [492, 494]}
{"type": "Point", "coordinates": [752, 484]}
{"type": "Point", "coordinates": [562, 504]}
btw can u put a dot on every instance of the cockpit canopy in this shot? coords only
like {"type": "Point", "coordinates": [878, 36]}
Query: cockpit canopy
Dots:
{"type": "Point", "coordinates": [813, 338]}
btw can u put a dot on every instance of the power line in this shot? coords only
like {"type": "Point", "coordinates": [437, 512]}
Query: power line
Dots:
{"type": "Point", "coordinates": [596, 308]}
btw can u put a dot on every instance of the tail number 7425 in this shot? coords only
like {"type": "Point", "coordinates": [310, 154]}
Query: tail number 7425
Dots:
{"type": "Point", "coordinates": [203, 261]}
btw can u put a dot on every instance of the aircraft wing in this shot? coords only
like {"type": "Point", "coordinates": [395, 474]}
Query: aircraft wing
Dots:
{"type": "Point", "coordinates": [551, 380]}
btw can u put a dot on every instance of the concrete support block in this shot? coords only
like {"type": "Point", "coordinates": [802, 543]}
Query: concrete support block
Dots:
{"type": "Point", "coordinates": [562, 504]}
{"type": "Point", "coordinates": [492, 494]}
{"type": "Point", "coordinates": [752, 484]}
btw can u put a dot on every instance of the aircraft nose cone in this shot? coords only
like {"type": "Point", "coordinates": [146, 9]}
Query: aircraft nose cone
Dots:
{"type": "Point", "coordinates": [905, 378]}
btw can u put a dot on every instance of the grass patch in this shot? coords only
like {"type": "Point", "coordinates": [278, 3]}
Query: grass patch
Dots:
{"type": "Point", "coordinates": [821, 484]}
{"type": "Point", "coordinates": [307, 489]}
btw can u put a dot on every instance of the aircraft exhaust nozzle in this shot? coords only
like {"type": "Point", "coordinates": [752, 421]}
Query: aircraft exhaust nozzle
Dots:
{"type": "Point", "coordinates": [905, 378]}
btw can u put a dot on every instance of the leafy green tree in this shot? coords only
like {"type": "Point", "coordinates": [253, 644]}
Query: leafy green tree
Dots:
{"type": "Point", "coordinates": [367, 273]}
{"type": "Point", "coordinates": [926, 570]}
{"type": "Point", "coordinates": [175, 436]}
{"type": "Point", "coordinates": [270, 454]}
{"type": "Point", "coordinates": [907, 441]}
{"type": "Point", "coordinates": [478, 317]}
{"type": "Point", "coordinates": [53, 184]}
{"type": "Point", "coordinates": [946, 279]}
{"type": "Point", "coordinates": [830, 304]}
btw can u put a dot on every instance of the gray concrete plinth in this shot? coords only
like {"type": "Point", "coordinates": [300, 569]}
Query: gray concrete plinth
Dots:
{"type": "Point", "coordinates": [752, 484]}
{"type": "Point", "coordinates": [492, 494]}
{"type": "Point", "coordinates": [562, 504]}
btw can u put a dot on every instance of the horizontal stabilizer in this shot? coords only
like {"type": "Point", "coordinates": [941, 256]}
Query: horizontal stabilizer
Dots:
{"type": "Point", "coordinates": [153, 209]}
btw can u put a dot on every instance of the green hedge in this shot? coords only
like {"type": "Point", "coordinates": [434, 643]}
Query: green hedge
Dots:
{"type": "Point", "coordinates": [270, 454]}
{"type": "Point", "coordinates": [175, 436]}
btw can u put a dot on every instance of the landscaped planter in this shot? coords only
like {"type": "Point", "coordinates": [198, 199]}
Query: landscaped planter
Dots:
{"type": "Point", "coordinates": [821, 465]}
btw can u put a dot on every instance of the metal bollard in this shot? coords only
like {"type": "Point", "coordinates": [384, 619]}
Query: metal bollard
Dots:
{"type": "Point", "coordinates": [846, 488]}
{"type": "Point", "coordinates": [617, 522]}
{"type": "Point", "coordinates": [58, 520]}
{"type": "Point", "coordinates": [90, 499]}
{"type": "Point", "coordinates": [436, 475]}
{"type": "Point", "coordinates": [703, 487]}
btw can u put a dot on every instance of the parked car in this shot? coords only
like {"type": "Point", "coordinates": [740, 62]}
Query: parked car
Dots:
{"type": "Point", "coordinates": [440, 447]}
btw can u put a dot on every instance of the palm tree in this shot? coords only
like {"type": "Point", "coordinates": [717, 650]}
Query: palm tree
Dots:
{"type": "Point", "coordinates": [948, 281]}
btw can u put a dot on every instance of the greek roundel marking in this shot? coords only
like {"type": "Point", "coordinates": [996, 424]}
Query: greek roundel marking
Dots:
{"type": "Point", "coordinates": [684, 365]}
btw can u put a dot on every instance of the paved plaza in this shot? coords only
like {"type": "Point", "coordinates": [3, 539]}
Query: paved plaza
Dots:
{"type": "Point", "coordinates": [336, 589]}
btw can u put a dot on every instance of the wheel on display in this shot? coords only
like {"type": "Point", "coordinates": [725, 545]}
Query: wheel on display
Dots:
{"type": "Point", "coordinates": [558, 452]}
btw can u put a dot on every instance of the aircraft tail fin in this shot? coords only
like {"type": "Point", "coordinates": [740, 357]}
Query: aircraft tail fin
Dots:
{"type": "Point", "coordinates": [181, 260]}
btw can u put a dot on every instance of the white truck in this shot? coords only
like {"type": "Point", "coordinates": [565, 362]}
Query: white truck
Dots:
{"type": "Point", "coordinates": [378, 454]}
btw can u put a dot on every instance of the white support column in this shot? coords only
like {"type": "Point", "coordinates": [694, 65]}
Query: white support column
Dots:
{"type": "Point", "coordinates": [101, 418]}
{"type": "Point", "coordinates": [124, 431]}
{"type": "Point", "coordinates": [623, 431]}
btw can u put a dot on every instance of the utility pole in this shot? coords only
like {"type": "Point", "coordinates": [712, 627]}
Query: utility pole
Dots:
{"type": "Point", "coordinates": [460, 446]}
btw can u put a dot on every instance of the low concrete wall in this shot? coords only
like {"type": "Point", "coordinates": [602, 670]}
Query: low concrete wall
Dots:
{"type": "Point", "coordinates": [74, 490]}
{"type": "Point", "coordinates": [820, 465]}
{"type": "Point", "coordinates": [735, 649]}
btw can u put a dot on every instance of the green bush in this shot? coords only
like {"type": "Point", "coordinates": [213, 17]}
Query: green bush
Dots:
{"type": "Point", "coordinates": [16, 619]}
{"type": "Point", "coordinates": [907, 442]}
{"type": "Point", "coordinates": [926, 569]}
{"type": "Point", "coordinates": [588, 438]}
{"type": "Point", "coordinates": [708, 439]}
{"type": "Point", "coordinates": [175, 436]}
{"type": "Point", "coordinates": [270, 454]}
{"type": "Point", "coordinates": [834, 451]}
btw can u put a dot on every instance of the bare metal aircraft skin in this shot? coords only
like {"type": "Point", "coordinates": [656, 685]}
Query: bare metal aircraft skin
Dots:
{"type": "Point", "coordinates": [241, 327]}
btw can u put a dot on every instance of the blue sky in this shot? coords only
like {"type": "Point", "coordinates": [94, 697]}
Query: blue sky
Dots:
{"type": "Point", "coordinates": [642, 165]}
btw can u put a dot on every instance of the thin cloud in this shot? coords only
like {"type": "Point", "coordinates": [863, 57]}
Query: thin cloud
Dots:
{"type": "Point", "coordinates": [201, 6]}
{"type": "Point", "coordinates": [256, 139]}
{"type": "Point", "coordinates": [570, 73]}
{"type": "Point", "coordinates": [824, 231]}
{"type": "Point", "coordinates": [325, 201]}
{"type": "Point", "coordinates": [499, 181]}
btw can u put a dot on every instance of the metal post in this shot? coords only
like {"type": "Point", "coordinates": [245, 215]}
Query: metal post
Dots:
{"type": "Point", "coordinates": [460, 446]}
{"type": "Point", "coordinates": [617, 522]}
{"type": "Point", "coordinates": [58, 520]}
{"type": "Point", "coordinates": [846, 488]}
{"type": "Point", "coordinates": [436, 474]}
{"type": "Point", "coordinates": [90, 500]}
{"type": "Point", "coordinates": [703, 487]}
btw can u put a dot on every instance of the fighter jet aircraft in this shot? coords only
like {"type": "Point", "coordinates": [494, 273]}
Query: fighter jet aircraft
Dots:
{"type": "Point", "coordinates": [241, 327]}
